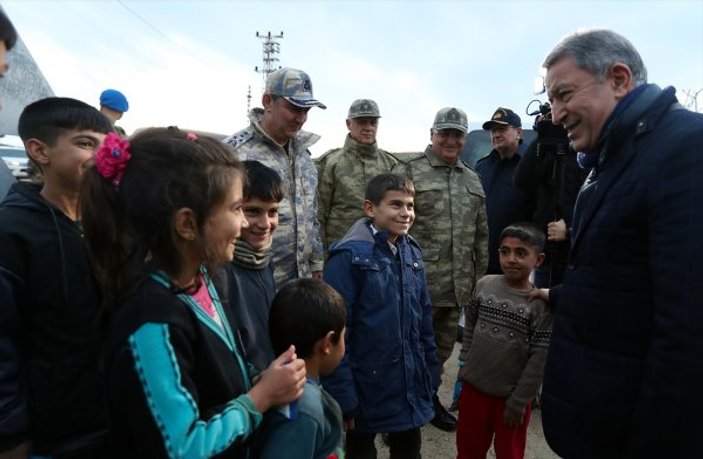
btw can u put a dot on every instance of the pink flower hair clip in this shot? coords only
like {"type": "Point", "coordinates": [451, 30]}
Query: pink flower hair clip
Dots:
{"type": "Point", "coordinates": [192, 136]}
{"type": "Point", "coordinates": [112, 158]}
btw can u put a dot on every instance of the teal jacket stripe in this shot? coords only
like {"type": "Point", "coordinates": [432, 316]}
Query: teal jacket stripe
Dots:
{"type": "Point", "coordinates": [174, 409]}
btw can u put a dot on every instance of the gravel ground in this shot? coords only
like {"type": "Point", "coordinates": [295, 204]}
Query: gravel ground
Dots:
{"type": "Point", "coordinates": [437, 444]}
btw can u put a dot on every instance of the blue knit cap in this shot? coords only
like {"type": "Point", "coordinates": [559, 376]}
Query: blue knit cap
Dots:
{"type": "Point", "coordinates": [114, 100]}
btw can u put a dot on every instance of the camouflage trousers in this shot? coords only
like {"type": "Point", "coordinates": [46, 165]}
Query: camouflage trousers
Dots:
{"type": "Point", "coordinates": [444, 323]}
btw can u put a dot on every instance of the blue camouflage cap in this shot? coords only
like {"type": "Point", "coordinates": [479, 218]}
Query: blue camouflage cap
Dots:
{"type": "Point", "coordinates": [294, 86]}
{"type": "Point", "coordinates": [451, 118]}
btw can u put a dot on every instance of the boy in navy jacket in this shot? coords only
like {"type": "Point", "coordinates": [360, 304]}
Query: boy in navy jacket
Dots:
{"type": "Point", "coordinates": [250, 282]}
{"type": "Point", "coordinates": [390, 369]}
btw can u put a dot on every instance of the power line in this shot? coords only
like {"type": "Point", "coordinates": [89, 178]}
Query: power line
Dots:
{"type": "Point", "coordinates": [159, 32]}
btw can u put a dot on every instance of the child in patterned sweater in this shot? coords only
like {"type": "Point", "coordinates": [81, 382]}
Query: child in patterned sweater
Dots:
{"type": "Point", "coordinates": [504, 349]}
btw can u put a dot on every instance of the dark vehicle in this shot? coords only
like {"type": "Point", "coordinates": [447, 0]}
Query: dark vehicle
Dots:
{"type": "Point", "coordinates": [478, 144]}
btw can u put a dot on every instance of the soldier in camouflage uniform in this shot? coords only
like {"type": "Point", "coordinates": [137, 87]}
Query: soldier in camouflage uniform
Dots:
{"type": "Point", "coordinates": [450, 225]}
{"type": "Point", "coordinates": [343, 173]}
{"type": "Point", "coordinates": [274, 138]}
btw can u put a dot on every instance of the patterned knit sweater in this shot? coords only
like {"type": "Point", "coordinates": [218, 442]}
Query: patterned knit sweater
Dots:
{"type": "Point", "coordinates": [505, 342]}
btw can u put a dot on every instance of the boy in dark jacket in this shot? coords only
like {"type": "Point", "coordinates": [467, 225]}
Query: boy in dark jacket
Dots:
{"type": "Point", "coordinates": [51, 399]}
{"type": "Point", "coordinates": [504, 348]}
{"type": "Point", "coordinates": [310, 315]}
{"type": "Point", "coordinates": [250, 275]}
{"type": "Point", "coordinates": [390, 370]}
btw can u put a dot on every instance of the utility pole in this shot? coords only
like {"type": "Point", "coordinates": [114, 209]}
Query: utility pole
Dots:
{"type": "Point", "coordinates": [248, 100]}
{"type": "Point", "coordinates": [270, 56]}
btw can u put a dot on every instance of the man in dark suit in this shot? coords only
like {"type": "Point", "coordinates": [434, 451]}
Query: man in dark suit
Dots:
{"type": "Point", "coordinates": [625, 365]}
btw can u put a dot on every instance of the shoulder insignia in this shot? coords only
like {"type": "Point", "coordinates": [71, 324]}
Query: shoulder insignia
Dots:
{"type": "Point", "coordinates": [238, 138]}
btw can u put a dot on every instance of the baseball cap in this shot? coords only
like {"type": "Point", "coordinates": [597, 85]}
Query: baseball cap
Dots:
{"type": "Point", "coordinates": [114, 100]}
{"type": "Point", "coordinates": [451, 118]}
{"type": "Point", "coordinates": [503, 117]}
{"type": "Point", "coordinates": [364, 108]}
{"type": "Point", "coordinates": [294, 86]}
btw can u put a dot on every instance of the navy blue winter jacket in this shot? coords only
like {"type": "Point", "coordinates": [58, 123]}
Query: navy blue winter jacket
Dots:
{"type": "Point", "coordinates": [390, 370]}
{"type": "Point", "coordinates": [250, 293]}
{"type": "Point", "coordinates": [625, 365]}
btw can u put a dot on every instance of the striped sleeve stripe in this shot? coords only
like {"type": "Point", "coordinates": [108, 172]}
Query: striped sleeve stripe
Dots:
{"type": "Point", "coordinates": [173, 408]}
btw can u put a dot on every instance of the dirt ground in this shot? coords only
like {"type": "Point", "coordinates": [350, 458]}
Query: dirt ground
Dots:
{"type": "Point", "coordinates": [437, 444]}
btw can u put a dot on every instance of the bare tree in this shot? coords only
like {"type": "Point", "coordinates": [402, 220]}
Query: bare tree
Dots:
{"type": "Point", "coordinates": [691, 101]}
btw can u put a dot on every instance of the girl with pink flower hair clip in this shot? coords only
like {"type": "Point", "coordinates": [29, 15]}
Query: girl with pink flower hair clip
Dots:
{"type": "Point", "coordinates": [162, 211]}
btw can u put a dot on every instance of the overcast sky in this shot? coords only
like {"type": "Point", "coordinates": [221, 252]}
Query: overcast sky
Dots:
{"type": "Point", "coordinates": [190, 63]}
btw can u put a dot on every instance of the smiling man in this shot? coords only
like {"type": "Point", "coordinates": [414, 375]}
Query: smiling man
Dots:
{"type": "Point", "coordinates": [625, 363]}
{"type": "Point", "coordinates": [450, 225]}
{"type": "Point", "coordinates": [275, 138]}
{"type": "Point", "coordinates": [344, 173]}
{"type": "Point", "coordinates": [505, 203]}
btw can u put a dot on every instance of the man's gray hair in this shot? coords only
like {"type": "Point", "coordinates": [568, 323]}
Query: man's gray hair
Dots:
{"type": "Point", "coordinates": [596, 50]}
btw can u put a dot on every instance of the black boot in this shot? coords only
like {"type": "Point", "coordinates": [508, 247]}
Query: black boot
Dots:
{"type": "Point", "coordinates": [443, 419]}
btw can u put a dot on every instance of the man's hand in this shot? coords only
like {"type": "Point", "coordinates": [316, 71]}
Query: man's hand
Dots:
{"type": "Point", "coordinates": [539, 294]}
{"type": "Point", "coordinates": [348, 425]}
{"type": "Point", "coordinates": [556, 231]}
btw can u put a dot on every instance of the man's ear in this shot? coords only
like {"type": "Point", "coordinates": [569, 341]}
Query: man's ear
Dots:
{"type": "Point", "coordinates": [621, 77]}
{"type": "Point", "coordinates": [266, 101]}
{"type": "Point", "coordinates": [38, 151]}
{"type": "Point", "coordinates": [369, 208]}
{"type": "Point", "coordinates": [349, 124]}
{"type": "Point", "coordinates": [184, 224]}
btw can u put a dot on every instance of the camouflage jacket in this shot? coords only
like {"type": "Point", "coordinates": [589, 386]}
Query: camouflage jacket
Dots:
{"type": "Point", "coordinates": [343, 174]}
{"type": "Point", "coordinates": [450, 225]}
{"type": "Point", "coordinates": [297, 247]}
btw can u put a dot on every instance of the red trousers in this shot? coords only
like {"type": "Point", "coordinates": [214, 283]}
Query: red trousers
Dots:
{"type": "Point", "coordinates": [480, 418]}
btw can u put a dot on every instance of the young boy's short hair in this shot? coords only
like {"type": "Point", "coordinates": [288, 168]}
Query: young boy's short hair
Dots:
{"type": "Point", "coordinates": [383, 183]}
{"type": "Point", "coordinates": [303, 312]}
{"type": "Point", "coordinates": [46, 119]}
{"type": "Point", "coordinates": [527, 233]}
{"type": "Point", "coordinates": [262, 182]}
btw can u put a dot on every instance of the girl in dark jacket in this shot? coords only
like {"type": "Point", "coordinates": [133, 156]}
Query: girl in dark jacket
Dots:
{"type": "Point", "coordinates": [176, 381]}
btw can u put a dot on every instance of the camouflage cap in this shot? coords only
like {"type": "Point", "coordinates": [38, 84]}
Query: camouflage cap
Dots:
{"type": "Point", "coordinates": [451, 118]}
{"type": "Point", "coordinates": [503, 117]}
{"type": "Point", "coordinates": [294, 86]}
{"type": "Point", "coordinates": [364, 108]}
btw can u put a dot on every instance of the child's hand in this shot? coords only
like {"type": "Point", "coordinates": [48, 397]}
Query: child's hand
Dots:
{"type": "Point", "coordinates": [539, 294]}
{"type": "Point", "coordinates": [512, 418]}
{"type": "Point", "coordinates": [282, 382]}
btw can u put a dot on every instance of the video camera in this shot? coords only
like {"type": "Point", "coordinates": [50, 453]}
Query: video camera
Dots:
{"type": "Point", "coordinates": [550, 137]}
